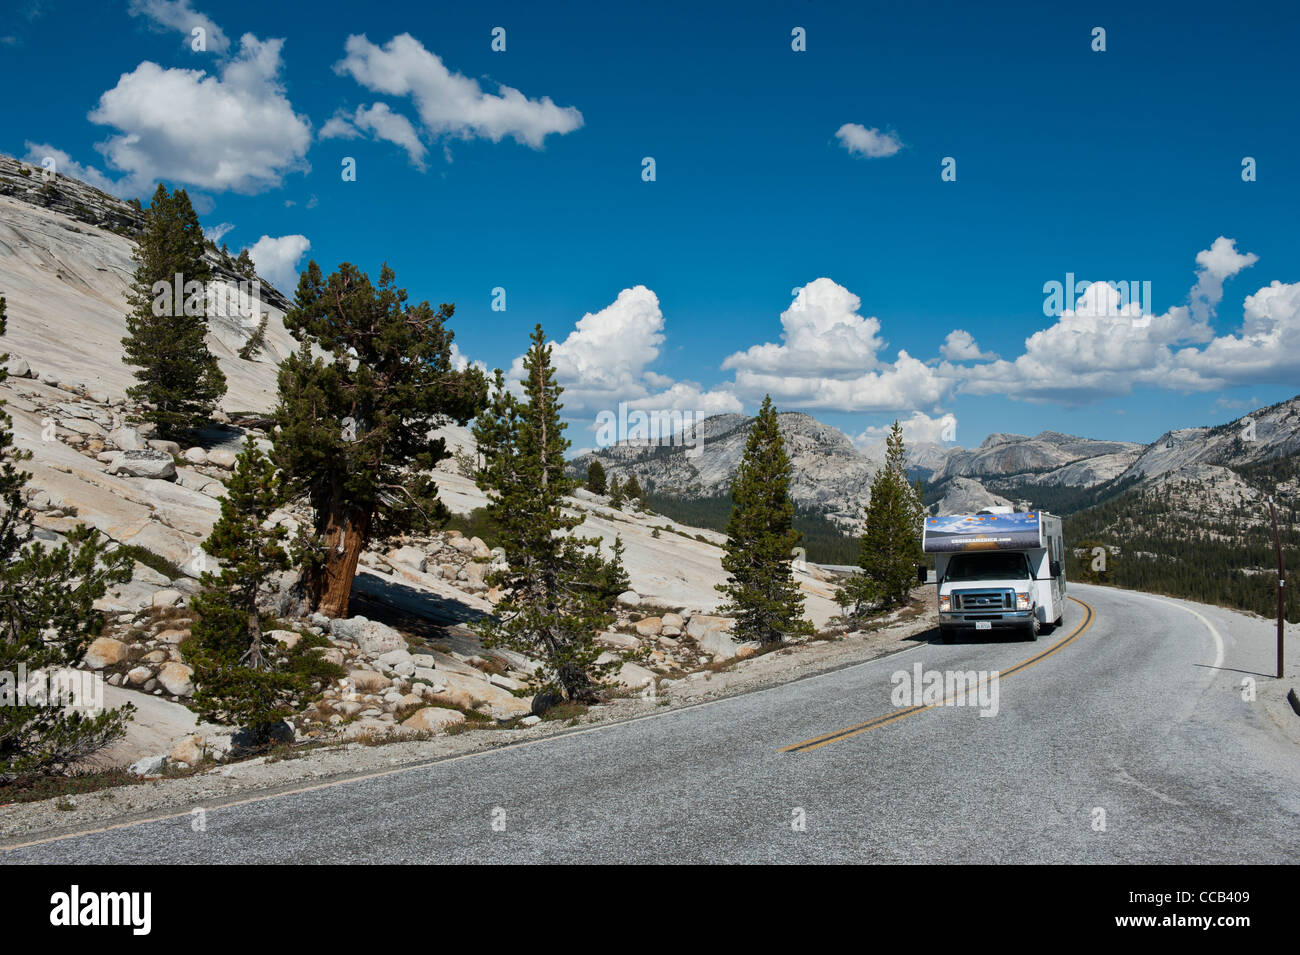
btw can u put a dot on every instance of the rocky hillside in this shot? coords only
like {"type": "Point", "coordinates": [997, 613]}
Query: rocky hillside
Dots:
{"type": "Point", "coordinates": [830, 474]}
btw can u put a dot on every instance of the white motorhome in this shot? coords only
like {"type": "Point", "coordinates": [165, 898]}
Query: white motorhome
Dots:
{"type": "Point", "coordinates": [998, 570]}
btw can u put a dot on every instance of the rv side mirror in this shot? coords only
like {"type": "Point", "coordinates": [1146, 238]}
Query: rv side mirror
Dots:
{"type": "Point", "coordinates": [1055, 567]}
{"type": "Point", "coordinates": [922, 574]}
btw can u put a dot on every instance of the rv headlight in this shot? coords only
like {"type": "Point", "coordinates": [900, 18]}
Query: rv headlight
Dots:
{"type": "Point", "coordinates": [945, 603]}
{"type": "Point", "coordinates": [1022, 601]}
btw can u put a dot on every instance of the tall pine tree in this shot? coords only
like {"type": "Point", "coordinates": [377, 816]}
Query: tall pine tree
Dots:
{"type": "Point", "coordinates": [356, 428]}
{"type": "Point", "coordinates": [596, 477]}
{"type": "Point", "coordinates": [761, 590]}
{"type": "Point", "coordinates": [178, 378]}
{"type": "Point", "coordinates": [558, 591]}
{"type": "Point", "coordinates": [47, 617]}
{"type": "Point", "coordinates": [891, 537]}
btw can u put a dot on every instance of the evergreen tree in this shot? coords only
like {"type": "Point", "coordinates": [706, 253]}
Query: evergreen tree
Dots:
{"type": "Point", "coordinates": [596, 477]}
{"type": "Point", "coordinates": [356, 428]}
{"type": "Point", "coordinates": [761, 590]}
{"type": "Point", "coordinates": [179, 379]}
{"type": "Point", "coordinates": [47, 617]}
{"type": "Point", "coordinates": [558, 591]}
{"type": "Point", "coordinates": [256, 341]}
{"type": "Point", "coordinates": [891, 537]}
{"type": "Point", "coordinates": [244, 265]}
{"type": "Point", "coordinates": [632, 491]}
{"type": "Point", "coordinates": [615, 492]}
{"type": "Point", "coordinates": [238, 679]}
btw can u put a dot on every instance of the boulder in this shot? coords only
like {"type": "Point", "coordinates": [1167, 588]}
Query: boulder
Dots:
{"type": "Point", "coordinates": [673, 620]}
{"type": "Point", "coordinates": [719, 643]}
{"type": "Point", "coordinates": [166, 447]}
{"type": "Point", "coordinates": [288, 638]}
{"type": "Point", "coordinates": [18, 367]}
{"type": "Point", "coordinates": [173, 637]}
{"type": "Point", "coordinates": [177, 679]}
{"type": "Point", "coordinates": [650, 626]}
{"type": "Point", "coordinates": [167, 597]}
{"type": "Point", "coordinates": [144, 464]}
{"type": "Point", "coordinates": [368, 681]}
{"type": "Point", "coordinates": [222, 458]}
{"type": "Point", "coordinates": [195, 456]}
{"type": "Point", "coordinates": [138, 676]}
{"type": "Point", "coordinates": [148, 766]}
{"type": "Point", "coordinates": [622, 640]}
{"type": "Point", "coordinates": [702, 623]}
{"type": "Point", "coordinates": [394, 657]}
{"type": "Point", "coordinates": [126, 439]}
{"type": "Point", "coordinates": [634, 676]}
{"type": "Point", "coordinates": [189, 749]}
{"type": "Point", "coordinates": [629, 598]}
{"type": "Point", "coordinates": [479, 549]}
{"type": "Point", "coordinates": [104, 652]}
{"type": "Point", "coordinates": [369, 635]}
{"type": "Point", "coordinates": [409, 556]}
{"type": "Point", "coordinates": [432, 719]}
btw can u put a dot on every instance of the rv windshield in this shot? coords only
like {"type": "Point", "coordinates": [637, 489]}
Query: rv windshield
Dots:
{"type": "Point", "coordinates": [988, 566]}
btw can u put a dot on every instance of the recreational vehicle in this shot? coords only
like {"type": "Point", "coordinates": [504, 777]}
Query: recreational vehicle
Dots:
{"type": "Point", "coordinates": [998, 570]}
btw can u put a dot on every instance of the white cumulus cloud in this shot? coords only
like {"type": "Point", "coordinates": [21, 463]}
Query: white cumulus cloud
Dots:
{"type": "Point", "coordinates": [960, 345]}
{"type": "Point", "coordinates": [872, 143]}
{"type": "Point", "coordinates": [448, 103]}
{"type": "Point", "coordinates": [236, 131]}
{"type": "Point", "coordinates": [277, 259]}
{"type": "Point", "coordinates": [829, 358]}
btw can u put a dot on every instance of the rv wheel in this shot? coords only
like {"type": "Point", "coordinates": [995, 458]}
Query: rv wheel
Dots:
{"type": "Point", "coordinates": [1031, 631]}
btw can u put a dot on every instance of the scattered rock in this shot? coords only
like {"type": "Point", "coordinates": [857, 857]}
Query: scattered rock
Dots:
{"type": "Point", "coordinates": [104, 652]}
{"type": "Point", "coordinates": [196, 456]}
{"type": "Point", "coordinates": [188, 750]}
{"type": "Point", "coordinates": [177, 679]}
{"type": "Point", "coordinates": [168, 597]}
{"type": "Point", "coordinates": [222, 458]}
{"type": "Point", "coordinates": [144, 464]}
{"type": "Point", "coordinates": [650, 626]}
{"type": "Point", "coordinates": [149, 766]}
{"type": "Point", "coordinates": [629, 598]}
{"type": "Point", "coordinates": [432, 719]}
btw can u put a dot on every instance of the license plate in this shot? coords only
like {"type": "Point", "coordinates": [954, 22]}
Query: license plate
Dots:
{"type": "Point", "coordinates": [983, 625]}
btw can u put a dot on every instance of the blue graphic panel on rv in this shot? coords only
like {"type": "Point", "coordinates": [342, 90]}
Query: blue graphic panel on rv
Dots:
{"type": "Point", "coordinates": [956, 532]}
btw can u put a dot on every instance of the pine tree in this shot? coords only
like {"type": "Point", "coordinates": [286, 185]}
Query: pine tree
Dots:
{"type": "Point", "coordinates": [558, 591]}
{"type": "Point", "coordinates": [761, 590]}
{"type": "Point", "coordinates": [244, 265]}
{"type": "Point", "coordinates": [47, 617]}
{"type": "Point", "coordinates": [179, 379]}
{"type": "Point", "coordinates": [256, 341]}
{"type": "Point", "coordinates": [615, 492]}
{"type": "Point", "coordinates": [355, 428]}
{"type": "Point", "coordinates": [632, 491]}
{"type": "Point", "coordinates": [596, 477]}
{"type": "Point", "coordinates": [891, 537]}
{"type": "Point", "coordinates": [238, 679]}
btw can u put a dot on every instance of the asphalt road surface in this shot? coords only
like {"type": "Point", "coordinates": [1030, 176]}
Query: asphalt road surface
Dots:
{"type": "Point", "coordinates": [1121, 737]}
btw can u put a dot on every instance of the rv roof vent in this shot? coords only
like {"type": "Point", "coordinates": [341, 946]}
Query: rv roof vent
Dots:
{"type": "Point", "coordinates": [999, 509]}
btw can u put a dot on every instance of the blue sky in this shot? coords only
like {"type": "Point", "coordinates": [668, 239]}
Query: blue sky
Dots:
{"type": "Point", "coordinates": [775, 171]}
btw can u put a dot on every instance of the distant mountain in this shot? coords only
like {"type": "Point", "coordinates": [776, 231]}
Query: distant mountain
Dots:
{"type": "Point", "coordinates": [830, 475]}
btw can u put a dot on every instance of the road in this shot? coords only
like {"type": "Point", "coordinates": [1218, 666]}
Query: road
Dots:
{"type": "Point", "coordinates": [1127, 741]}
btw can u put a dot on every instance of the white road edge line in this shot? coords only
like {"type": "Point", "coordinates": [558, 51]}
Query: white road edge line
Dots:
{"type": "Point", "coordinates": [1214, 632]}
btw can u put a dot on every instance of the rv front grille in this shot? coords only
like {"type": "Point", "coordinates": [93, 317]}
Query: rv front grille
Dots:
{"type": "Point", "coordinates": [991, 601]}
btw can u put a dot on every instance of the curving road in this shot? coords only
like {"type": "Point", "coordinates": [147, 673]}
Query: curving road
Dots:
{"type": "Point", "coordinates": [1133, 709]}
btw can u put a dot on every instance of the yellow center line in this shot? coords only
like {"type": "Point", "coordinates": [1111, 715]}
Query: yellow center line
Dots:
{"type": "Point", "coordinates": [849, 731]}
